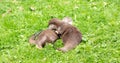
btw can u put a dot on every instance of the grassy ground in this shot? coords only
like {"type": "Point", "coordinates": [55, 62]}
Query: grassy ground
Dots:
{"type": "Point", "coordinates": [98, 20]}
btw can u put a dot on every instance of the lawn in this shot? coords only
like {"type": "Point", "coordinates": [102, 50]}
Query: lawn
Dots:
{"type": "Point", "coordinates": [98, 21]}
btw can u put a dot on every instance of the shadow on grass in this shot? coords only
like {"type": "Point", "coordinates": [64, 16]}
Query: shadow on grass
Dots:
{"type": "Point", "coordinates": [5, 47]}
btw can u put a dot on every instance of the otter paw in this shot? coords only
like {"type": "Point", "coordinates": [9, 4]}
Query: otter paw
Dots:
{"type": "Point", "coordinates": [62, 49]}
{"type": "Point", "coordinates": [39, 47]}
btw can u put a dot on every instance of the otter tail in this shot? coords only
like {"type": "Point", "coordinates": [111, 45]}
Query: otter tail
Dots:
{"type": "Point", "coordinates": [32, 39]}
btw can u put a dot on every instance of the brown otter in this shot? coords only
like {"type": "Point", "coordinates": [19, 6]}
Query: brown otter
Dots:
{"type": "Point", "coordinates": [70, 35]}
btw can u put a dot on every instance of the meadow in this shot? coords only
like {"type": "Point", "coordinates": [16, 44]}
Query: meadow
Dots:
{"type": "Point", "coordinates": [98, 21]}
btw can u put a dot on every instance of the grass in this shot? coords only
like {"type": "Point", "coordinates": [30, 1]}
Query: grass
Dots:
{"type": "Point", "coordinates": [98, 20]}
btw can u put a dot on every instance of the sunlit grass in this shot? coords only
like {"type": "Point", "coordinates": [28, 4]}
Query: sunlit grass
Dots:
{"type": "Point", "coordinates": [98, 21]}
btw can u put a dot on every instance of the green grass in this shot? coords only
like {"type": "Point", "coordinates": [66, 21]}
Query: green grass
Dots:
{"type": "Point", "coordinates": [98, 20]}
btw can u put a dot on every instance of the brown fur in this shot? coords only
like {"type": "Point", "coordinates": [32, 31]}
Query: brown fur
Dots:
{"type": "Point", "coordinates": [70, 35]}
{"type": "Point", "coordinates": [46, 36]}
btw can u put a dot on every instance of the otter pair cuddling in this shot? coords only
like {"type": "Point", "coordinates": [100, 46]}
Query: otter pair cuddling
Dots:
{"type": "Point", "coordinates": [69, 34]}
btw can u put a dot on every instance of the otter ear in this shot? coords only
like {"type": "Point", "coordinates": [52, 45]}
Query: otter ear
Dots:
{"type": "Point", "coordinates": [67, 20]}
